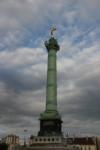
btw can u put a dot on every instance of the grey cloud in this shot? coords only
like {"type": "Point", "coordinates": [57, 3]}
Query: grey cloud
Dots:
{"type": "Point", "coordinates": [14, 105]}
{"type": "Point", "coordinates": [19, 20]}
{"type": "Point", "coordinates": [18, 110]}
{"type": "Point", "coordinates": [82, 100]}
{"type": "Point", "coordinates": [79, 88]}
{"type": "Point", "coordinates": [89, 9]}
{"type": "Point", "coordinates": [18, 81]}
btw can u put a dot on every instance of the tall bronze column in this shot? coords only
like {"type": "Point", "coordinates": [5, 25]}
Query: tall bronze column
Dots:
{"type": "Point", "coordinates": [50, 120]}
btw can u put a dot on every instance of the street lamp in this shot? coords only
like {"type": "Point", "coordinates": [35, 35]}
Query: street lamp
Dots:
{"type": "Point", "coordinates": [25, 137]}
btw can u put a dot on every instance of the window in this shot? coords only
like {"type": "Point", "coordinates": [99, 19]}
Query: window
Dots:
{"type": "Point", "coordinates": [57, 139]}
{"type": "Point", "coordinates": [48, 139]}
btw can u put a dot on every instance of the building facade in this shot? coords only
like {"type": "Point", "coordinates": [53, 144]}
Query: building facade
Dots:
{"type": "Point", "coordinates": [98, 143]}
{"type": "Point", "coordinates": [11, 140]}
{"type": "Point", "coordinates": [83, 143]}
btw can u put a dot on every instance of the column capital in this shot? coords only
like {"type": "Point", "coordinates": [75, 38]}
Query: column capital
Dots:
{"type": "Point", "coordinates": [52, 44]}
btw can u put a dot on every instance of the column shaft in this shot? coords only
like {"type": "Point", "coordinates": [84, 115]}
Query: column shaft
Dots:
{"type": "Point", "coordinates": [51, 93]}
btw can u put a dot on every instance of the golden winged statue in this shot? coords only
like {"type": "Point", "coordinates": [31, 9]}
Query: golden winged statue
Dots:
{"type": "Point", "coordinates": [52, 30]}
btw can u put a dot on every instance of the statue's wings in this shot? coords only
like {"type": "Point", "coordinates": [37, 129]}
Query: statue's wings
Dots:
{"type": "Point", "coordinates": [52, 30]}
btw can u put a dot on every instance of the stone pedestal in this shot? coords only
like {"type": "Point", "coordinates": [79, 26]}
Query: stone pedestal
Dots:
{"type": "Point", "coordinates": [50, 127]}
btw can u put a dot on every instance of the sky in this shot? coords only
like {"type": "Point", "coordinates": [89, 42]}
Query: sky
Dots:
{"type": "Point", "coordinates": [24, 27]}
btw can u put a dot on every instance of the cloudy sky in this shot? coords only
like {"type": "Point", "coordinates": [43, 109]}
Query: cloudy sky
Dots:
{"type": "Point", "coordinates": [24, 26]}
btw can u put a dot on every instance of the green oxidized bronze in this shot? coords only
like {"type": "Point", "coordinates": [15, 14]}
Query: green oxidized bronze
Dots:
{"type": "Point", "coordinates": [50, 120]}
{"type": "Point", "coordinates": [52, 44]}
{"type": "Point", "coordinates": [51, 90]}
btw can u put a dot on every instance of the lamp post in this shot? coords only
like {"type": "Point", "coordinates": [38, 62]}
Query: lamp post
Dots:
{"type": "Point", "coordinates": [25, 130]}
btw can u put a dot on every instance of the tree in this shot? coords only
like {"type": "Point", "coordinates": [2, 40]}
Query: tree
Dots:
{"type": "Point", "coordinates": [3, 146]}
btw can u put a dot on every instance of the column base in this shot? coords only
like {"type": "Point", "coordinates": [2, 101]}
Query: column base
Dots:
{"type": "Point", "coordinates": [50, 114]}
{"type": "Point", "coordinates": [50, 126]}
